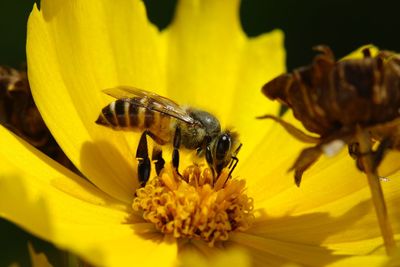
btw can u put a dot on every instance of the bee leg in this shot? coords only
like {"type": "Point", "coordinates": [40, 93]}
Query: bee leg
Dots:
{"type": "Point", "coordinates": [175, 153]}
{"type": "Point", "coordinates": [144, 164]}
{"type": "Point", "coordinates": [158, 160]}
{"type": "Point", "coordinates": [210, 160]}
{"type": "Point", "coordinates": [234, 162]}
{"type": "Point", "coordinates": [232, 165]}
{"type": "Point", "coordinates": [199, 152]}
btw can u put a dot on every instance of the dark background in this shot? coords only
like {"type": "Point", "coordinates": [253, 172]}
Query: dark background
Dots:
{"type": "Point", "coordinates": [342, 24]}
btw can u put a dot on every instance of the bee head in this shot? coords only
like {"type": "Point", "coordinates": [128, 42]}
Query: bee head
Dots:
{"type": "Point", "coordinates": [222, 149]}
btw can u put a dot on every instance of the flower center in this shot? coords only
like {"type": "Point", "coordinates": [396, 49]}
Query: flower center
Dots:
{"type": "Point", "coordinates": [194, 205]}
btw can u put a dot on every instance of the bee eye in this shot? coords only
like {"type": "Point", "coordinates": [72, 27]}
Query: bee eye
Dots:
{"type": "Point", "coordinates": [223, 146]}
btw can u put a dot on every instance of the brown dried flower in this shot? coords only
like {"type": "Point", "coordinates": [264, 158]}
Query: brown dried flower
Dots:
{"type": "Point", "coordinates": [334, 98]}
{"type": "Point", "coordinates": [19, 113]}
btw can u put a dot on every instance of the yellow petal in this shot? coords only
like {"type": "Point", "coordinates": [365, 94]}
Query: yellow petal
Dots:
{"type": "Point", "coordinates": [326, 181]}
{"type": "Point", "coordinates": [360, 261]}
{"type": "Point", "coordinates": [227, 257]}
{"type": "Point", "coordinates": [332, 206]}
{"type": "Point", "coordinates": [329, 209]}
{"type": "Point", "coordinates": [75, 49]}
{"type": "Point", "coordinates": [390, 163]}
{"type": "Point", "coordinates": [358, 53]}
{"type": "Point", "coordinates": [212, 65]}
{"type": "Point", "coordinates": [365, 227]}
{"type": "Point", "coordinates": [203, 44]}
{"type": "Point", "coordinates": [394, 260]}
{"type": "Point", "coordinates": [262, 59]}
{"type": "Point", "coordinates": [266, 169]}
{"type": "Point", "coordinates": [55, 204]}
{"type": "Point", "coordinates": [274, 252]}
{"type": "Point", "coordinates": [95, 52]}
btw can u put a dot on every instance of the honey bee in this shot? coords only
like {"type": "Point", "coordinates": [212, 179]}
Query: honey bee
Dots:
{"type": "Point", "coordinates": [339, 99]}
{"type": "Point", "coordinates": [166, 122]}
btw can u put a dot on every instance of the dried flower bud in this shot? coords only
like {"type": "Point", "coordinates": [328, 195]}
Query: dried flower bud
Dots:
{"type": "Point", "coordinates": [332, 98]}
{"type": "Point", "coordinates": [19, 114]}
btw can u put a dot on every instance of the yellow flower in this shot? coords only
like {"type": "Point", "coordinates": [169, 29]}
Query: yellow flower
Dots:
{"type": "Point", "coordinates": [77, 48]}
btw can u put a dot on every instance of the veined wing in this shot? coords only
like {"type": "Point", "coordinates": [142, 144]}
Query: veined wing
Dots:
{"type": "Point", "coordinates": [151, 101]}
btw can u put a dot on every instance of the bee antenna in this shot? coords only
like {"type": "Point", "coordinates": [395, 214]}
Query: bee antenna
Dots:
{"type": "Point", "coordinates": [237, 149]}
{"type": "Point", "coordinates": [234, 160]}
{"type": "Point", "coordinates": [233, 164]}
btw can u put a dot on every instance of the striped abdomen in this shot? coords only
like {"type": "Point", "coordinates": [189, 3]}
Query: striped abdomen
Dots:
{"type": "Point", "coordinates": [122, 115]}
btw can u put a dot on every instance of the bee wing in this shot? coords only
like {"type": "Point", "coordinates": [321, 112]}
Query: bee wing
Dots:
{"type": "Point", "coordinates": [150, 100]}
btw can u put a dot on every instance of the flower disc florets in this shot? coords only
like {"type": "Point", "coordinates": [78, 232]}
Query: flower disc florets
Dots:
{"type": "Point", "coordinates": [194, 205]}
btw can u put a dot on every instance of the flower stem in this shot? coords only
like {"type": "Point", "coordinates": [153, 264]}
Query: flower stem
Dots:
{"type": "Point", "coordinates": [376, 190]}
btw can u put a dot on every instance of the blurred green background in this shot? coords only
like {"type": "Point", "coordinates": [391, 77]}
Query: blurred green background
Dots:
{"type": "Point", "coordinates": [343, 25]}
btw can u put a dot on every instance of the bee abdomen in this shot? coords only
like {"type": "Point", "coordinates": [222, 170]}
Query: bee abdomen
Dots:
{"type": "Point", "coordinates": [119, 114]}
{"type": "Point", "coordinates": [123, 115]}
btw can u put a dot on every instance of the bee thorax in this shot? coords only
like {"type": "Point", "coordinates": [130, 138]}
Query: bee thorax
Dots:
{"type": "Point", "coordinates": [209, 122]}
{"type": "Point", "coordinates": [192, 136]}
